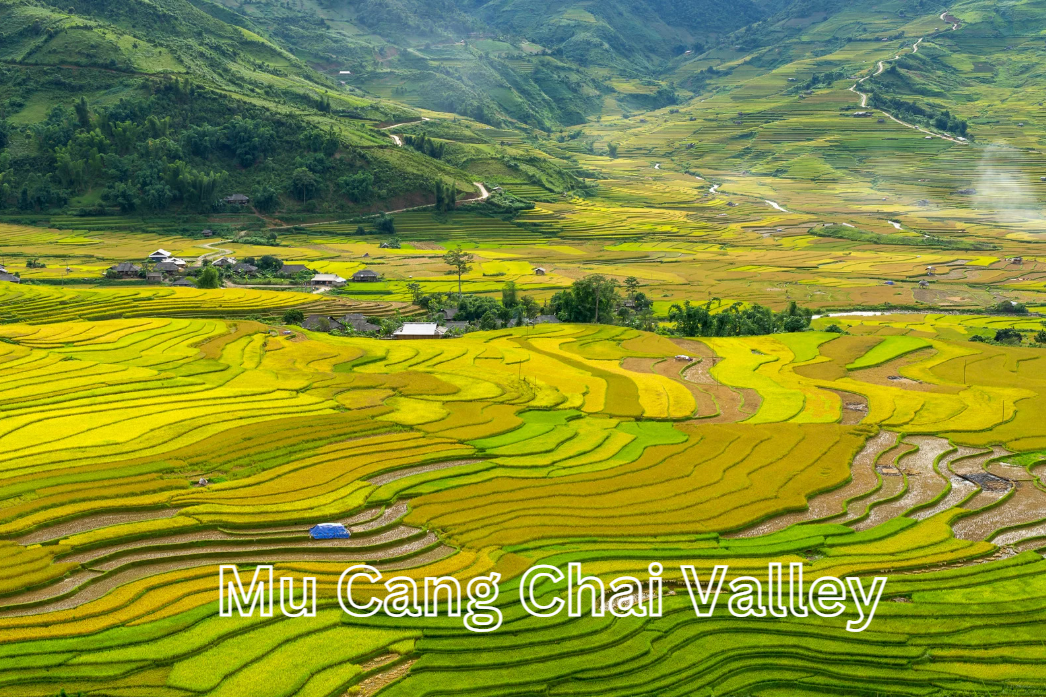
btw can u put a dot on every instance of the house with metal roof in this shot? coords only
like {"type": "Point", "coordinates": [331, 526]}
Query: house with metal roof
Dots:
{"type": "Point", "coordinates": [327, 279]}
{"type": "Point", "coordinates": [420, 330]}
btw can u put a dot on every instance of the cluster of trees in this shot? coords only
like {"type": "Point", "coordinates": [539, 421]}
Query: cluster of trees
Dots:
{"type": "Point", "coordinates": [822, 79]}
{"type": "Point", "coordinates": [179, 147]}
{"type": "Point", "coordinates": [1010, 337]}
{"type": "Point", "coordinates": [426, 146]}
{"type": "Point", "coordinates": [598, 299]}
{"type": "Point", "coordinates": [446, 196]}
{"type": "Point", "coordinates": [481, 311]}
{"type": "Point", "coordinates": [942, 120]}
{"type": "Point", "coordinates": [737, 320]}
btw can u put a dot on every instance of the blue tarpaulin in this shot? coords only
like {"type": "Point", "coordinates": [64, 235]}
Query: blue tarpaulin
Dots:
{"type": "Point", "coordinates": [328, 531]}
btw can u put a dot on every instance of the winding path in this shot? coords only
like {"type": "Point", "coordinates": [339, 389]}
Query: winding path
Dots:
{"type": "Point", "coordinates": [218, 251]}
{"type": "Point", "coordinates": [881, 67]}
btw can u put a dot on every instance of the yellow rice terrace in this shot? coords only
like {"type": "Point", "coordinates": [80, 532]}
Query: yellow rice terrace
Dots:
{"type": "Point", "coordinates": [141, 454]}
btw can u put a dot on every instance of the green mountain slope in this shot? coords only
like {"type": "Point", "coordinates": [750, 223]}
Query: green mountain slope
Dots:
{"type": "Point", "coordinates": [183, 108]}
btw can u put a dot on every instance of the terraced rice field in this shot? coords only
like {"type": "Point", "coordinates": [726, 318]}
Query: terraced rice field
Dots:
{"type": "Point", "coordinates": [494, 452]}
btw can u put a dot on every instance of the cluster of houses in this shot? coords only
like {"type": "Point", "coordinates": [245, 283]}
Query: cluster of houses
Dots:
{"type": "Point", "coordinates": [164, 265]}
{"type": "Point", "coordinates": [333, 280]}
{"type": "Point", "coordinates": [443, 326]}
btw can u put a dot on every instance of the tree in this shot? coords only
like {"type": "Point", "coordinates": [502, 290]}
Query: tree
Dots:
{"type": "Point", "coordinates": [83, 114]}
{"type": "Point", "coordinates": [612, 149]}
{"type": "Point", "coordinates": [208, 278]}
{"type": "Point", "coordinates": [508, 295]}
{"type": "Point", "coordinates": [460, 261]}
{"type": "Point", "coordinates": [265, 198]}
{"type": "Point", "coordinates": [359, 187]}
{"type": "Point", "coordinates": [415, 292]}
{"type": "Point", "coordinates": [270, 264]}
{"type": "Point", "coordinates": [587, 300]}
{"type": "Point", "coordinates": [632, 285]}
{"type": "Point", "coordinates": [5, 133]}
{"type": "Point", "coordinates": [386, 224]}
{"type": "Point", "coordinates": [1040, 336]}
{"type": "Point", "coordinates": [530, 306]}
{"type": "Point", "coordinates": [488, 321]}
{"type": "Point", "coordinates": [293, 317]}
{"type": "Point", "coordinates": [1008, 336]}
{"type": "Point", "coordinates": [303, 183]}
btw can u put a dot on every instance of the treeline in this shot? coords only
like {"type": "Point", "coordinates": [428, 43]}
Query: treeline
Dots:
{"type": "Point", "coordinates": [942, 120]}
{"type": "Point", "coordinates": [843, 232]}
{"type": "Point", "coordinates": [737, 320]}
{"type": "Point", "coordinates": [426, 146]}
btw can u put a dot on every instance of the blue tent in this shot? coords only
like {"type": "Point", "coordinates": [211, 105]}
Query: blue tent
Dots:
{"type": "Point", "coordinates": [328, 531]}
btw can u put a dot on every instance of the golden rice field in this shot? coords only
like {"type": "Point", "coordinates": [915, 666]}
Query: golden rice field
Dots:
{"type": "Point", "coordinates": [899, 449]}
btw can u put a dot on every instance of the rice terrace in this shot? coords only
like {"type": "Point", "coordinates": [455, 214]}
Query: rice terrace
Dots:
{"type": "Point", "coordinates": [510, 348]}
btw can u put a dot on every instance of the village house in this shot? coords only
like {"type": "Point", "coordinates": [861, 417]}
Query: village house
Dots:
{"type": "Point", "coordinates": [126, 269]}
{"type": "Point", "coordinates": [225, 262]}
{"type": "Point", "coordinates": [457, 326]}
{"type": "Point", "coordinates": [154, 277]}
{"type": "Point", "coordinates": [166, 267]}
{"type": "Point", "coordinates": [237, 200]}
{"type": "Point", "coordinates": [357, 323]}
{"type": "Point", "coordinates": [328, 280]}
{"type": "Point", "coordinates": [244, 269]}
{"type": "Point", "coordinates": [183, 283]}
{"type": "Point", "coordinates": [294, 269]}
{"type": "Point", "coordinates": [160, 255]}
{"type": "Point", "coordinates": [539, 271]}
{"type": "Point", "coordinates": [9, 278]}
{"type": "Point", "coordinates": [420, 330]}
{"type": "Point", "coordinates": [365, 276]}
{"type": "Point", "coordinates": [208, 233]}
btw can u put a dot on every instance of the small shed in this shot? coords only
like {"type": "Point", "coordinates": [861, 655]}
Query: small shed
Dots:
{"type": "Point", "coordinates": [208, 233]}
{"type": "Point", "coordinates": [154, 277]}
{"type": "Point", "coordinates": [329, 531]}
{"type": "Point", "coordinates": [237, 200]}
{"type": "Point", "coordinates": [225, 262]}
{"type": "Point", "coordinates": [184, 283]}
{"type": "Point", "coordinates": [540, 271]}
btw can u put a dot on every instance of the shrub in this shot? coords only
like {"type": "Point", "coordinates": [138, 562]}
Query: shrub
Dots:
{"type": "Point", "coordinates": [208, 278]}
{"type": "Point", "coordinates": [1008, 336]}
{"type": "Point", "coordinates": [293, 317]}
